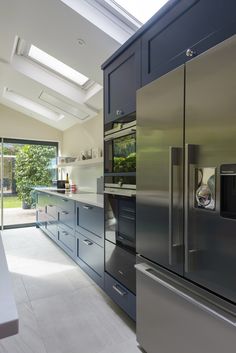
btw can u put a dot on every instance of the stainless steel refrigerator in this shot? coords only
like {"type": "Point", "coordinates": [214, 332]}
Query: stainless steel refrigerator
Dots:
{"type": "Point", "coordinates": [186, 206]}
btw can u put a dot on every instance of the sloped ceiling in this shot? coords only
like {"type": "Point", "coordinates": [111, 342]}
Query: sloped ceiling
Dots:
{"type": "Point", "coordinates": [54, 27]}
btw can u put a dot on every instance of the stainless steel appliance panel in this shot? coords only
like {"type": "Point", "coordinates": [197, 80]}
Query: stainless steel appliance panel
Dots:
{"type": "Point", "coordinates": [170, 318]}
{"type": "Point", "coordinates": [160, 115]}
{"type": "Point", "coordinates": [210, 134]}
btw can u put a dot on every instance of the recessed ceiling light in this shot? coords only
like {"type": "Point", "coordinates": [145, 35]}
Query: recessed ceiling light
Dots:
{"type": "Point", "coordinates": [80, 41]}
{"type": "Point", "coordinates": [56, 65]}
{"type": "Point", "coordinates": [31, 105]}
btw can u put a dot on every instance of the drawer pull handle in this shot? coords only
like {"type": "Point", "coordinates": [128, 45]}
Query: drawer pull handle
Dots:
{"type": "Point", "coordinates": [87, 242]}
{"type": "Point", "coordinates": [120, 237]}
{"type": "Point", "coordinates": [87, 207]}
{"type": "Point", "coordinates": [65, 233]}
{"type": "Point", "coordinates": [119, 112]}
{"type": "Point", "coordinates": [121, 292]}
{"type": "Point", "coordinates": [65, 212]}
{"type": "Point", "coordinates": [50, 205]}
{"type": "Point", "coordinates": [65, 200]}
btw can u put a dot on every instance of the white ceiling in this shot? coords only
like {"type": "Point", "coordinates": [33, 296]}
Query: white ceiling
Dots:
{"type": "Point", "coordinates": [54, 27]}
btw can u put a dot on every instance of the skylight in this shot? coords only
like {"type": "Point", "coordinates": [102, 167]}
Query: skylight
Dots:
{"type": "Point", "coordinates": [31, 105]}
{"type": "Point", "coordinates": [141, 10]}
{"type": "Point", "coordinates": [56, 65]}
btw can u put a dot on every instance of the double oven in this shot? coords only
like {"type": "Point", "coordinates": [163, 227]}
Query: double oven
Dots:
{"type": "Point", "coordinates": [120, 201]}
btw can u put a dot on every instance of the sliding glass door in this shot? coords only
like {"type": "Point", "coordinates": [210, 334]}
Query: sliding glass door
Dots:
{"type": "Point", "coordinates": [24, 165]}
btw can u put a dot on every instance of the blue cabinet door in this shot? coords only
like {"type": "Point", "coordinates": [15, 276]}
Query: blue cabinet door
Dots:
{"type": "Point", "coordinates": [121, 80]}
{"type": "Point", "coordinates": [192, 24]}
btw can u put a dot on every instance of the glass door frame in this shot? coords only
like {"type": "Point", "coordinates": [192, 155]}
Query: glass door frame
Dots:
{"type": "Point", "coordinates": [26, 142]}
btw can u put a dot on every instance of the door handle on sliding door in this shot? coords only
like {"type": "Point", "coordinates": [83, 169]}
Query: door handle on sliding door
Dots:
{"type": "Point", "coordinates": [175, 159]}
{"type": "Point", "coordinates": [191, 152]}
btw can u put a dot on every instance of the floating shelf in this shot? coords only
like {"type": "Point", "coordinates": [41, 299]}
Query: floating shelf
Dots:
{"type": "Point", "coordinates": [85, 163]}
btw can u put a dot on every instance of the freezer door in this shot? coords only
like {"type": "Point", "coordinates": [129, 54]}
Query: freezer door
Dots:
{"type": "Point", "coordinates": [160, 107]}
{"type": "Point", "coordinates": [171, 318]}
{"type": "Point", "coordinates": [210, 136]}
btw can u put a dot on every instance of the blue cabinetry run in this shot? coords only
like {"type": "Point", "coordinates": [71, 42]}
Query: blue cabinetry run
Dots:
{"type": "Point", "coordinates": [78, 228]}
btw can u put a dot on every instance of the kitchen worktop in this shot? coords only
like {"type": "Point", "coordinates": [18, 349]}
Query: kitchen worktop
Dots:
{"type": "Point", "coordinates": [8, 312]}
{"type": "Point", "coordinates": [80, 196]}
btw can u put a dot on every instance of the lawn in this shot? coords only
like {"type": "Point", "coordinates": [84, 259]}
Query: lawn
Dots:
{"type": "Point", "coordinates": [11, 202]}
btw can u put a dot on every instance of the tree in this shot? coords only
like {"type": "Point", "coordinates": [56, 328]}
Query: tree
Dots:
{"type": "Point", "coordinates": [31, 170]}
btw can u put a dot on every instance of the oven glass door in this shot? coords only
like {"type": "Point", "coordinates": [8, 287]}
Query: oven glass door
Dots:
{"type": "Point", "coordinates": [120, 154]}
{"type": "Point", "coordinates": [120, 221]}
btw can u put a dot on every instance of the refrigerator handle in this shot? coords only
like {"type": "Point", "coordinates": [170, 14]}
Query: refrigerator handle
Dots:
{"type": "Point", "coordinates": [174, 160]}
{"type": "Point", "coordinates": [186, 294]}
{"type": "Point", "coordinates": [190, 158]}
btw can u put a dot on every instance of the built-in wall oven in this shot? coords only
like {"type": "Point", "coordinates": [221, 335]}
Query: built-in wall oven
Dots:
{"type": "Point", "coordinates": [120, 148]}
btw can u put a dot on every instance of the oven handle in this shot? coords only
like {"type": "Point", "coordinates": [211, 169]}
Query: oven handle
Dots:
{"type": "Point", "coordinates": [122, 133]}
{"type": "Point", "coordinates": [127, 193]}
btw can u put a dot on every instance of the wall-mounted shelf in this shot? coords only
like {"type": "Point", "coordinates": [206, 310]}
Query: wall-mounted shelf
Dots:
{"type": "Point", "coordinates": [84, 163]}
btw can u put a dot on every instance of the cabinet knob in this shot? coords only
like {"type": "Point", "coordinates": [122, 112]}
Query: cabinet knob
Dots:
{"type": "Point", "coordinates": [190, 53]}
{"type": "Point", "coordinates": [119, 112]}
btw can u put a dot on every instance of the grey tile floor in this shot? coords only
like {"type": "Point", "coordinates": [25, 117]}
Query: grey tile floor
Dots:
{"type": "Point", "coordinates": [60, 308]}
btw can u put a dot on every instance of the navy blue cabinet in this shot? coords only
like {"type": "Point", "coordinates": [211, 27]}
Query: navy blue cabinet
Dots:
{"type": "Point", "coordinates": [41, 215]}
{"type": "Point", "coordinates": [66, 213]}
{"type": "Point", "coordinates": [121, 80]}
{"type": "Point", "coordinates": [194, 24]}
{"type": "Point", "coordinates": [121, 295]}
{"type": "Point", "coordinates": [78, 228]}
{"type": "Point", "coordinates": [67, 241]}
{"type": "Point", "coordinates": [90, 222]}
{"type": "Point", "coordinates": [90, 256]}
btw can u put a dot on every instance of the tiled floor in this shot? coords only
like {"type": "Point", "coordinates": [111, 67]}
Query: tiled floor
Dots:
{"type": "Point", "coordinates": [18, 216]}
{"type": "Point", "coordinates": [60, 308]}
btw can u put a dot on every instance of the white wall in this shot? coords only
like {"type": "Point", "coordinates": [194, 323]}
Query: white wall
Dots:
{"type": "Point", "coordinates": [79, 138]}
{"type": "Point", "coordinates": [14, 124]}
{"type": "Point", "coordinates": [83, 136]}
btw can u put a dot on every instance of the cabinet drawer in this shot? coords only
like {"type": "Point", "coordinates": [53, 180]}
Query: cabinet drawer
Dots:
{"type": "Point", "coordinates": [52, 210]}
{"type": "Point", "coordinates": [120, 264]}
{"type": "Point", "coordinates": [121, 295]}
{"type": "Point", "coordinates": [67, 218]}
{"type": "Point", "coordinates": [91, 254]}
{"type": "Point", "coordinates": [52, 228]}
{"type": "Point", "coordinates": [67, 241]}
{"type": "Point", "coordinates": [66, 204]}
{"type": "Point", "coordinates": [41, 216]}
{"type": "Point", "coordinates": [42, 200]}
{"type": "Point", "coordinates": [90, 219]}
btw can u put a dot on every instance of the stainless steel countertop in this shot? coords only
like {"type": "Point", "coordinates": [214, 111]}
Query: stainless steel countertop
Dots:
{"type": "Point", "coordinates": [80, 196]}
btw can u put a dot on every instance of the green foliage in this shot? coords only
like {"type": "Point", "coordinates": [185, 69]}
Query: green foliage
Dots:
{"type": "Point", "coordinates": [125, 164]}
{"type": "Point", "coordinates": [31, 169]}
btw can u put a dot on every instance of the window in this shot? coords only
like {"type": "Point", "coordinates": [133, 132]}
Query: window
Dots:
{"type": "Point", "coordinates": [140, 10]}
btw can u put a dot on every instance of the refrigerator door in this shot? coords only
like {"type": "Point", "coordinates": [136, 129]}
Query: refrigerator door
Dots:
{"type": "Point", "coordinates": [160, 109]}
{"type": "Point", "coordinates": [210, 182]}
